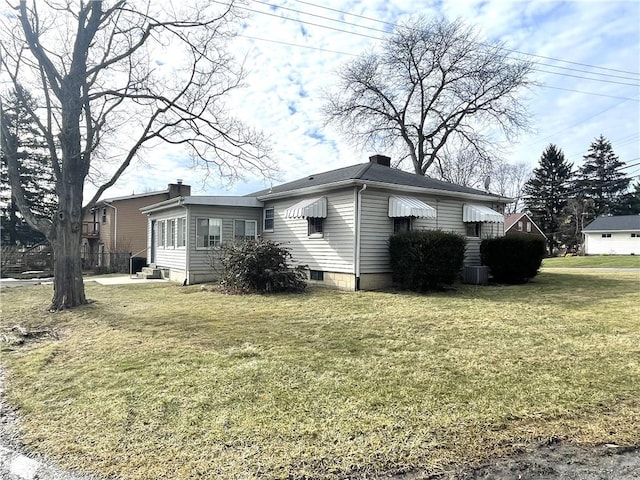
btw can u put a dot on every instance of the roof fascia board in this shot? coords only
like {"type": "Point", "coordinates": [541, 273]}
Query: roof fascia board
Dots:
{"type": "Point", "coordinates": [389, 186]}
{"type": "Point", "coordinates": [156, 207]}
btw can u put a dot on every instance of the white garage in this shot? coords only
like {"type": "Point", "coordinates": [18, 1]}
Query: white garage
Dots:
{"type": "Point", "coordinates": [613, 236]}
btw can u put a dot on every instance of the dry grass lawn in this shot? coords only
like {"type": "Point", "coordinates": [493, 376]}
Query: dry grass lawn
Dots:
{"type": "Point", "coordinates": [168, 382]}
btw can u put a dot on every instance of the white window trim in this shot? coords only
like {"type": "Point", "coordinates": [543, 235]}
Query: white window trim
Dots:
{"type": "Point", "coordinates": [196, 229]}
{"type": "Point", "coordinates": [170, 241]}
{"type": "Point", "coordinates": [264, 219]}
{"type": "Point", "coordinates": [255, 223]}
{"type": "Point", "coordinates": [162, 234]}
{"type": "Point", "coordinates": [185, 228]}
{"type": "Point", "coordinates": [315, 234]}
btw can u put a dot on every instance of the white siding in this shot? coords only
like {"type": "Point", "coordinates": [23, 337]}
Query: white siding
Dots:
{"type": "Point", "coordinates": [168, 257]}
{"type": "Point", "coordinates": [334, 251]}
{"type": "Point", "coordinates": [377, 227]}
{"type": "Point", "coordinates": [200, 259]}
{"type": "Point", "coordinates": [620, 243]}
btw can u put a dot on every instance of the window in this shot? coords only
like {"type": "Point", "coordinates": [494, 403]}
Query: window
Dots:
{"type": "Point", "coordinates": [635, 235]}
{"type": "Point", "coordinates": [473, 229]}
{"type": "Point", "coordinates": [171, 233]}
{"type": "Point", "coordinates": [104, 215]}
{"type": "Point", "coordinates": [162, 232]}
{"type": "Point", "coordinates": [316, 275]}
{"type": "Point", "coordinates": [606, 235]}
{"type": "Point", "coordinates": [244, 230]}
{"type": "Point", "coordinates": [520, 226]}
{"type": "Point", "coordinates": [268, 220]}
{"type": "Point", "coordinates": [316, 226]}
{"type": "Point", "coordinates": [182, 232]}
{"type": "Point", "coordinates": [208, 232]}
{"type": "Point", "coordinates": [529, 227]}
{"type": "Point", "coordinates": [401, 224]}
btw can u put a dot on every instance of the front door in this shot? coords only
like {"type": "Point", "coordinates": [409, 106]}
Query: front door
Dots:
{"type": "Point", "coordinates": [152, 250]}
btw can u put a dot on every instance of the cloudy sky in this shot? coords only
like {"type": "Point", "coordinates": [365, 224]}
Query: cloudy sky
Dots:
{"type": "Point", "coordinates": [586, 54]}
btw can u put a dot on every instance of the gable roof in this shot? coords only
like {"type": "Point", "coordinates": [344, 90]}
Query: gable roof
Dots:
{"type": "Point", "coordinates": [370, 173]}
{"type": "Point", "coordinates": [513, 218]}
{"type": "Point", "coordinates": [619, 223]}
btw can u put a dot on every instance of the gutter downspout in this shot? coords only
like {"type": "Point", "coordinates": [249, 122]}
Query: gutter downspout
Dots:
{"type": "Point", "coordinates": [115, 226]}
{"type": "Point", "coordinates": [358, 239]}
{"type": "Point", "coordinates": [187, 246]}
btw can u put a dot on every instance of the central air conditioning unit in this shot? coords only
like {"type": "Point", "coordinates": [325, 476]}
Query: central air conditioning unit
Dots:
{"type": "Point", "coordinates": [476, 275]}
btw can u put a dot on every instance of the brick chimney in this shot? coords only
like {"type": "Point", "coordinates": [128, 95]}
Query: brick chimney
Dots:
{"type": "Point", "coordinates": [380, 160]}
{"type": "Point", "coordinates": [178, 189]}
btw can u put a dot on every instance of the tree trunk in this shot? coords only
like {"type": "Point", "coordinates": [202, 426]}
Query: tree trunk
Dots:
{"type": "Point", "coordinates": [68, 287]}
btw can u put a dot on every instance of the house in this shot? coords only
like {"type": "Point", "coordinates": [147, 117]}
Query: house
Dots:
{"type": "Point", "coordinates": [613, 236]}
{"type": "Point", "coordinates": [337, 223]}
{"type": "Point", "coordinates": [116, 225]}
{"type": "Point", "coordinates": [518, 223]}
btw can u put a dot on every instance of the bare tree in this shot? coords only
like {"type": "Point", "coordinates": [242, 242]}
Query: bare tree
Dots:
{"type": "Point", "coordinates": [434, 83]}
{"type": "Point", "coordinates": [112, 78]}
{"type": "Point", "coordinates": [462, 166]}
{"type": "Point", "coordinates": [508, 180]}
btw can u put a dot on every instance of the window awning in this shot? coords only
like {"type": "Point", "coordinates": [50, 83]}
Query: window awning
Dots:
{"type": "Point", "coordinates": [309, 208]}
{"type": "Point", "coordinates": [410, 207]}
{"type": "Point", "coordinates": [480, 213]}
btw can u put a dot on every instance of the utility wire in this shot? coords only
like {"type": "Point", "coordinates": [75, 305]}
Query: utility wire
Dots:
{"type": "Point", "coordinates": [386, 32]}
{"type": "Point", "coordinates": [503, 48]}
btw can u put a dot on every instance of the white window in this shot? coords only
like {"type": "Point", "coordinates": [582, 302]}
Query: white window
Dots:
{"type": "Point", "coordinates": [171, 233]}
{"type": "Point", "coordinates": [162, 232]}
{"type": "Point", "coordinates": [182, 232]}
{"type": "Point", "coordinates": [529, 227]}
{"type": "Point", "coordinates": [606, 235]}
{"type": "Point", "coordinates": [268, 220]}
{"type": "Point", "coordinates": [401, 224]}
{"type": "Point", "coordinates": [520, 225]}
{"type": "Point", "coordinates": [244, 230]}
{"type": "Point", "coordinates": [316, 226]}
{"type": "Point", "coordinates": [208, 232]}
{"type": "Point", "coordinates": [473, 229]}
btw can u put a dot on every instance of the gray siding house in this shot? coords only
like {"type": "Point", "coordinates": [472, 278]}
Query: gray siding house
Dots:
{"type": "Point", "coordinates": [337, 223]}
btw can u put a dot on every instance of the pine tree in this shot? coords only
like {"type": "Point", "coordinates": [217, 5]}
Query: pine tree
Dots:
{"type": "Point", "coordinates": [35, 175]}
{"type": "Point", "coordinates": [629, 203]}
{"type": "Point", "coordinates": [547, 194]}
{"type": "Point", "coordinates": [600, 178]}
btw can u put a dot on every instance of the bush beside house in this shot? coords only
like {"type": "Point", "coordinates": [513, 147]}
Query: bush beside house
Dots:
{"type": "Point", "coordinates": [260, 267]}
{"type": "Point", "coordinates": [513, 259]}
{"type": "Point", "coordinates": [426, 259]}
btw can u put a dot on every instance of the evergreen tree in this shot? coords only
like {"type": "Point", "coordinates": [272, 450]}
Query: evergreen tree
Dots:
{"type": "Point", "coordinates": [600, 178]}
{"type": "Point", "coordinates": [629, 203]}
{"type": "Point", "coordinates": [546, 194]}
{"type": "Point", "coordinates": [35, 175]}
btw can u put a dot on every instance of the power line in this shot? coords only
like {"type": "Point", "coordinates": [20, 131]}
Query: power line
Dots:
{"type": "Point", "coordinates": [502, 48]}
{"type": "Point", "coordinates": [590, 93]}
{"type": "Point", "coordinates": [391, 24]}
{"type": "Point", "coordinates": [586, 78]}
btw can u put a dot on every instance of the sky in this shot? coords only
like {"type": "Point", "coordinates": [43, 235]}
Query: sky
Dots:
{"type": "Point", "coordinates": [586, 54]}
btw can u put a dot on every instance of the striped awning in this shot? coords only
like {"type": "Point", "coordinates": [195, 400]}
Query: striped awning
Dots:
{"type": "Point", "coordinates": [410, 207]}
{"type": "Point", "coordinates": [480, 213]}
{"type": "Point", "coordinates": [309, 208]}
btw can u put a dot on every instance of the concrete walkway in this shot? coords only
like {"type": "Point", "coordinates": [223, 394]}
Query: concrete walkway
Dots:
{"type": "Point", "coordinates": [117, 280]}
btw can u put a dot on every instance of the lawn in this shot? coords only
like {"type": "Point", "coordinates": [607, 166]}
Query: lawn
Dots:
{"type": "Point", "coordinates": [169, 382]}
{"type": "Point", "coordinates": [593, 261]}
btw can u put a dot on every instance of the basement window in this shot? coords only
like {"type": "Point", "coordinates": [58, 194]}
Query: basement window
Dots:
{"type": "Point", "coordinates": [316, 275]}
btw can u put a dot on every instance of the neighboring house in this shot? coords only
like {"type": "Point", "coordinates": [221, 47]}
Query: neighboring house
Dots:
{"type": "Point", "coordinates": [517, 223]}
{"type": "Point", "coordinates": [115, 225]}
{"type": "Point", "coordinates": [338, 223]}
{"type": "Point", "coordinates": [613, 236]}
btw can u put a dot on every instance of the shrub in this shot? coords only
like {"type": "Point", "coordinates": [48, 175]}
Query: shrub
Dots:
{"type": "Point", "coordinates": [513, 258]}
{"type": "Point", "coordinates": [259, 267]}
{"type": "Point", "coordinates": [426, 259]}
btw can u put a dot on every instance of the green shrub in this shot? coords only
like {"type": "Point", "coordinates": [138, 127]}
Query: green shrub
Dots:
{"type": "Point", "coordinates": [259, 267]}
{"type": "Point", "coordinates": [426, 259]}
{"type": "Point", "coordinates": [513, 258]}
